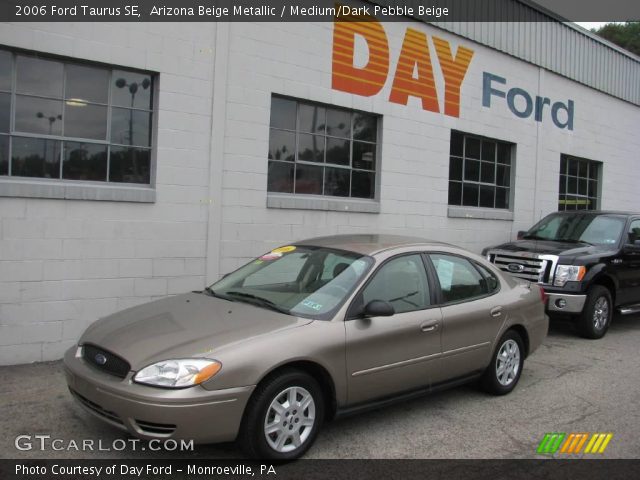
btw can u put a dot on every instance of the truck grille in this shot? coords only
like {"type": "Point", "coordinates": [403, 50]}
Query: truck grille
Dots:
{"type": "Point", "coordinates": [535, 268]}
{"type": "Point", "coordinates": [106, 361]}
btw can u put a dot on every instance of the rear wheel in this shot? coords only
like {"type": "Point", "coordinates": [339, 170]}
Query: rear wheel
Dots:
{"type": "Point", "coordinates": [596, 315]}
{"type": "Point", "coordinates": [283, 417]}
{"type": "Point", "coordinates": [503, 373]}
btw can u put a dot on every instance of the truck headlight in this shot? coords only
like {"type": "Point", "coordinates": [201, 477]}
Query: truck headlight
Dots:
{"type": "Point", "coordinates": [568, 273]}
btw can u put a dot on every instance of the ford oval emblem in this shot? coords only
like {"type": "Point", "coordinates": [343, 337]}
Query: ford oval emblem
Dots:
{"type": "Point", "coordinates": [100, 359]}
{"type": "Point", "coordinates": [515, 268]}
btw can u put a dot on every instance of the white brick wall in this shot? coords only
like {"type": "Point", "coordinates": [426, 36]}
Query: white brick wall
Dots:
{"type": "Point", "coordinates": [415, 146]}
{"type": "Point", "coordinates": [64, 264]}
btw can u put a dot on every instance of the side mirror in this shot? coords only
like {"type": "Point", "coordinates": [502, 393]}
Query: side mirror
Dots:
{"type": "Point", "coordinates": [632, 247]}
{"type": "Point", "coordinates": [521, 233]}
{"type": "Point", "coordinates": [378, 308]}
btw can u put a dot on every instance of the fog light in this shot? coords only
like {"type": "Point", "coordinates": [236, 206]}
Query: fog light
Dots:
{"type": "Point", "coordinates": [561, 303]}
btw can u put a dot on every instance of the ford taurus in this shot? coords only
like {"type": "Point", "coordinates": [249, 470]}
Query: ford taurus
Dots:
{"type": "Point", "coordinates": [303, 333]}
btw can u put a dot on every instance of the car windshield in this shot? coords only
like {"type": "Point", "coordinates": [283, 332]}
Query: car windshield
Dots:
{"type": "Point", "coordinates": [579, 227]}
{"type": "Point", "coordinates": [305, 281]}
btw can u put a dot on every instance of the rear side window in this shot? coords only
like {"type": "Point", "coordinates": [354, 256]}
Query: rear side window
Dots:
{"type": "Point", "coordinates": [459, 279]}
{"type": "Point", "coordinates": [492, 281]}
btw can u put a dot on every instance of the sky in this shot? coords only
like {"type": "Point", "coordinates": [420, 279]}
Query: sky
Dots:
{"type": "Point", "coordinates": [590, 25]}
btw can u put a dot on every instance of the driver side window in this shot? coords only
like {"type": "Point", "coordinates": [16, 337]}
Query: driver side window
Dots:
{"type": "Point", "coordinates": [402, 282]}
{"type": "Point", "coordinates": [634, 232]}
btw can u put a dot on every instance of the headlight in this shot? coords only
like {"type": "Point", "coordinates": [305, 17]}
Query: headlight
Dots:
{"type": "Point", "coordinates": [568, 273]}
{"type": "Point", "coordinates": [178, 373]}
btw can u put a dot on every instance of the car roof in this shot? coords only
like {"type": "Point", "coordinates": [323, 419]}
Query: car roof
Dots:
{"type": "Point", "coordinates": [596, 212]}
{"type": "Point", "coordinates": [368, 244]}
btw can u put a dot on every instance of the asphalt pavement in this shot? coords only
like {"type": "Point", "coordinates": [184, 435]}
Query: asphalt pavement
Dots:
{"type": "Point", "coordinates": [568, 385]}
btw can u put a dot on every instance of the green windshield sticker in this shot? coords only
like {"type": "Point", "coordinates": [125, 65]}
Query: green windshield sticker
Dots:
{"type": "Point", "coordinates": [312, 305]}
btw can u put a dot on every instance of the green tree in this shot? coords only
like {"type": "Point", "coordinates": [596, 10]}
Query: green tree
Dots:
{"type": "Point", "coordinates": [625, 35]}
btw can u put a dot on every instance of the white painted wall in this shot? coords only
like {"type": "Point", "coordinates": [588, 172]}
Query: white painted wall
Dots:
{"type": "Point", "coordinates": [65, 263]}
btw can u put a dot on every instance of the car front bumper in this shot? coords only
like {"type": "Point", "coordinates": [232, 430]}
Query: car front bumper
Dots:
{"type": "Point", "coordinates": [565, 303]}
{"type": "Point", "coordinates": [204, 416]}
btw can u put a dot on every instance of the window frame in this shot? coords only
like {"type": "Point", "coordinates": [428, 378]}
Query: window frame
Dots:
{"type": "Point", "coordinates": [459, 210]}
{"type": "Point", "coordinates": [64, 188]}
{"type": "Point", "coordinates": [309, 201]}
{"type": "Point", "coordinates": [599, 166]}
{"type": "Point", "coordinates": [438, 287]}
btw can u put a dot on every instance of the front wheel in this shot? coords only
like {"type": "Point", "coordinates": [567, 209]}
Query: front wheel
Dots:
{"type": "Point", "coordinates": [503, 373]}
{"type": "Point", "coordinates": [283, 417]}
{"type": "Point", "coordinates": [596, 315]}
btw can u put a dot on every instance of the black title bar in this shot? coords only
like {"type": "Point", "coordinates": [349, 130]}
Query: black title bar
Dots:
{"type": "Point", "coordinates": [197, 469]}
{"type": "Point", "coordinates": [316, 10]}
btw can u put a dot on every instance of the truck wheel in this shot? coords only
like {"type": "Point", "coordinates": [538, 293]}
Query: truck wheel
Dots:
{"type": "Point", "coordinates": [596, 316]}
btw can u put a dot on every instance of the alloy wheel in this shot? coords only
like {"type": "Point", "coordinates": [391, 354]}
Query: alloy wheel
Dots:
{"type": "Point", "coordinates": [508, 362]}
{"type": "Point", "coordinates": [600, 313]}
{"type": "Point", "coordinates": [290, 419]}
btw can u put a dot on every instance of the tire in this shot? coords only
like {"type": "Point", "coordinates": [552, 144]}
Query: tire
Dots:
{"type": "Point", "coordinates": [293, 430]}
{"type": "Point", "coordinates": [510, 349]}
{"type": "Point", "coordinates": [596, 315]}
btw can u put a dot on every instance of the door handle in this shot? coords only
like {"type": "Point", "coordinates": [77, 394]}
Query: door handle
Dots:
{"type": "Point", "coordinates": [429, 327]}
{"type": "Point", "coordinates": [496, 311]}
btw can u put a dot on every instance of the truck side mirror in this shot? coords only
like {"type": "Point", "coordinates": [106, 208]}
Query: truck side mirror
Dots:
{"type": "Point", "coordinates": [632, 248]}
{"type": "Point", "coordinates": [633, 244]}
{"type": "Point", "coordinates": [521, 234]}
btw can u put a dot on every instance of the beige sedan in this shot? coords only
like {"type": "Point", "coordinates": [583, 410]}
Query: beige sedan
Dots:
{"type": "Point", "coordinates": [304, 333]}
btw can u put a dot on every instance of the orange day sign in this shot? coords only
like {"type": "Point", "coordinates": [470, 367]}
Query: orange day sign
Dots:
{"type": "Point", "coordinates": [414, 72]}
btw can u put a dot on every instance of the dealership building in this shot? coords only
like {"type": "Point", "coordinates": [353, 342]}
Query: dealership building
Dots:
{"type": "Point", "coordinates": [139, 160]}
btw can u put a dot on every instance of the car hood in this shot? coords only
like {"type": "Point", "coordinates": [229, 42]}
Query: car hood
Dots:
{"type": "Point", "coordinates": [550, 247]}
{"type": "Point", "coordinates": [184, 326]}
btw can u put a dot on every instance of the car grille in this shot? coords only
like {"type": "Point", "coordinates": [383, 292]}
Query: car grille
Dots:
{"type": "Point", "coordinates": [105, 360]}
{"type": "Point", "coordinates": [535, 268]}
{"type": "Point", "coordinates": [97, 409]}
{"type": "Point", "coordinates": [158, 429]}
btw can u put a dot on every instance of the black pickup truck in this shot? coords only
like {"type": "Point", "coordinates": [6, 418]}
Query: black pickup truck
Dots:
{"type": "Point", "coordinates": [588, 263]}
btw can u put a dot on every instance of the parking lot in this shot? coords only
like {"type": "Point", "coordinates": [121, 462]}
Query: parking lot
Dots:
{"type": "Point", "coordinates": [568, 385]}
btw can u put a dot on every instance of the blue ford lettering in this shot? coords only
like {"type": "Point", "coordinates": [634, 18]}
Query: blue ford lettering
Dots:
{"type": "Point", "coordinates": [564, 120]}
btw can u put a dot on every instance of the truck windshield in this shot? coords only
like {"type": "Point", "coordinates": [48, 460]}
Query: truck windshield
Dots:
{"type": "Point", "coordinates": [586, 228]}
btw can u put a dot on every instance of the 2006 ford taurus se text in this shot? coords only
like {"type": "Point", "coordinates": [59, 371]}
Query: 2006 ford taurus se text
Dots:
{"type": "Point", "coordinates": [303, 333]}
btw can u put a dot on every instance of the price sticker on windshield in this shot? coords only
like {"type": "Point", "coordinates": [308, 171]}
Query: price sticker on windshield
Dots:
{"type": "Point", "coordinates": [287, 249]}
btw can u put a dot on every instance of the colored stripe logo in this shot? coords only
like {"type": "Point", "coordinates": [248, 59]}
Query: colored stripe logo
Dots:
{"type": "Point", "coordinates": [573, 443]}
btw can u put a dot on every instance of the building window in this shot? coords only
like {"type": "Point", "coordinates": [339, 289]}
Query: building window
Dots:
{"type": "Point", "coordinates": [479, 171]}
{"type": "Point", "coordinates": [579, 179]}
{"type": "Point", "coordinates": [317, 149]}
{"type": "Point", "coordinates": [67, 120]}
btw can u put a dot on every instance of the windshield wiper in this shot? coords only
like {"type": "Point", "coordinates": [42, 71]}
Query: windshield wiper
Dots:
{"type": "Point", "coordinates": [534, 237]}
{"type": "Point", "coordinates": [211, 292]}
{"type": "Point", "coordinates": [263, 302]}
